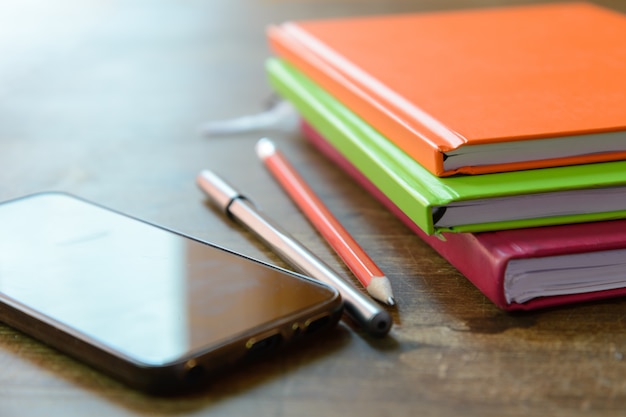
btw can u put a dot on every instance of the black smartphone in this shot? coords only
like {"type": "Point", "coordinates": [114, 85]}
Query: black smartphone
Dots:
{"type": "Point", "coordinates": [156, 309]}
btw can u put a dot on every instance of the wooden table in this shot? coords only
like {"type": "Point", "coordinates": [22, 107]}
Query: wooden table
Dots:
{"type": "Point", "coordinates": [104, 99]}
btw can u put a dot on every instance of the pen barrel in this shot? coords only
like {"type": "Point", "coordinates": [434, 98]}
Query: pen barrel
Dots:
{"type": "Point", "coordinates": [359, 307]}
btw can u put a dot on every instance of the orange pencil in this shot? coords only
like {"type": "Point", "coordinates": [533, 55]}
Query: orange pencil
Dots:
{"type": "Point", "coordinates": [361, 265]}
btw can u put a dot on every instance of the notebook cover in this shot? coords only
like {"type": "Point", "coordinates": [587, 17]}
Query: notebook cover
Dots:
{"type": "Point", "coordinates": [413, 188]}
{"type": "Point", "coordinates": [436, 81]}
{"type": "Point", "coordinates": [482, 257]}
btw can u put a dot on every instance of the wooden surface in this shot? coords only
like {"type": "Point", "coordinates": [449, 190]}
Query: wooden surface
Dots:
{"type": "Point", "coordinates": [103, 98]}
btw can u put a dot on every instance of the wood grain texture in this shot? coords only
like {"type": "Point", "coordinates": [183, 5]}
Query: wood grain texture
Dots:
{"type": "Point", "coordinates": [104, 98]}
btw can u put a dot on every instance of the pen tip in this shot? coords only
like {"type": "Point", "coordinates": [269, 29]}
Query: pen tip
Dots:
{"type": "Point", "coordinates": [264, 148]}
{"type": "Point", "coordinates": [391, 301]}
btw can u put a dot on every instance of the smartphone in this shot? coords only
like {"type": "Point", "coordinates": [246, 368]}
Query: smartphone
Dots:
{"type": "Point", "coordinates": [158, 310]}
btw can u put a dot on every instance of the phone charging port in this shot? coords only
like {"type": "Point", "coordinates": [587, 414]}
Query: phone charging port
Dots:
{"type": "Point", "coordinates": [316, 323]}
{"type": "Point", "coordinates": [258, 345]}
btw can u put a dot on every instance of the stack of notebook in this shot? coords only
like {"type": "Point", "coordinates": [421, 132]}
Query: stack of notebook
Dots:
{"type": "Point", "coordinates": [497, 135]}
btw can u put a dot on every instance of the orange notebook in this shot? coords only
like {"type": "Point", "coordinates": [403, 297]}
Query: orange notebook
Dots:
{"type": "Point", "coordinates": [477, 91]}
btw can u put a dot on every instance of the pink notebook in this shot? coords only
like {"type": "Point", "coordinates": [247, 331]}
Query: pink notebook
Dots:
{"type": "Point", "coordinates": [522, 269]}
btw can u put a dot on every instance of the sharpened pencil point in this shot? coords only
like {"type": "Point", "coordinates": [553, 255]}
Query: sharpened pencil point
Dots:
{"type": "Point", "coordinates": [380, 289]}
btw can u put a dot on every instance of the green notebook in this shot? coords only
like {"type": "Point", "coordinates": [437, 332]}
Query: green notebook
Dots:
{"type": "Point", "coordinates": [572, 194]}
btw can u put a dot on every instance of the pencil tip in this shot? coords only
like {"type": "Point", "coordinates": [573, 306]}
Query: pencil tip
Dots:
{"type": "Point", "coordinates": [380, 289]}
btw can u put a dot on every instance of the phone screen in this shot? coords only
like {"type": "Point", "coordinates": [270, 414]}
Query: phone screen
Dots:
{"type": "Point", "coordinates": [145, 292]}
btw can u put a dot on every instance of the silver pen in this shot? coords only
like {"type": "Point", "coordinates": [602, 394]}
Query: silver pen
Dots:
{"type": "Point", "coordinates": [364, 311]}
